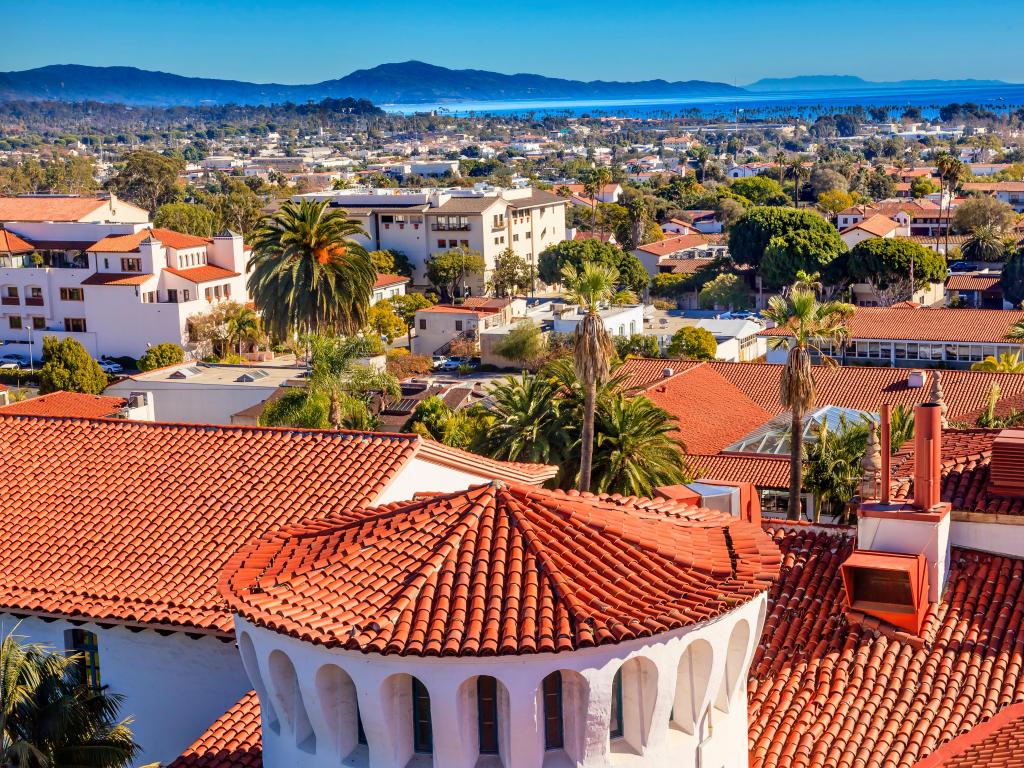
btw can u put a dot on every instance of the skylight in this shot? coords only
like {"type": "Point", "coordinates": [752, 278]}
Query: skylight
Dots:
{"type": "Point", "coordinates": [185, 373]}
{"type": "Point", "coordinates": [255, 375]}
{"type": "Point", "coordinates": [773, 437]}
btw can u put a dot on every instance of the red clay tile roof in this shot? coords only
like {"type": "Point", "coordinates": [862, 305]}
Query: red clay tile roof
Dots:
{"type": "Point", "coordinates": [994, 186]}
{"type": "Point", "coordinates": [764, 471]}
{"type": "Point", "coordinates": [926, 324]}
{"type": "Point", "coordinates": [178, 240]}
{"type": "Point", "coordinates": [116, 278]}
{"type": "Point", "coordinates": [691, 396]}
{"type": "Point", "coordinates": [514, 471]}
{"type": "Point", "coordinates": [683, 266]}
{"type": "Point", "coordinates": [233, 740]}
{"type": "Point", "coordinates": [499, 569]}
{"type": "Point", "coordinates": [967, 282]}
{"type": "Point", "coordinates": [11, 243]}
{"type": "Point", "coordinates": [996, 743]}
{"type": "Point", "coordinates": [204, 274]}
{"type": "Point", "coordinates": [383, 281]}
{"type": "Point", "coordinates": [966, 461]}
{"type": "Point", "coordinates": [644, 371]}
{"type": "Point", "coordinates": [877, 225]}
{"type": "Point", "coordinates": [46, 208]}
{"type": "Point", "coordinates": [130, 243]}
{"type": "Point", "coordinates": [670, 245]}
{"type": "Point", "coordinates": [73, 404]}
{"type": "Point", "coordinates": [824, 691]}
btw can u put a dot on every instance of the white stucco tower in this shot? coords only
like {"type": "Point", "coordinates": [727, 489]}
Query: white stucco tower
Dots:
{"type": "Point", "coordinates": [504, 626]}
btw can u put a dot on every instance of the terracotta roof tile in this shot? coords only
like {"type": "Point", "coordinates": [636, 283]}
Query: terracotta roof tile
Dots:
{"type": "Point", "coordinates": [499, 569]}
{"type": "Point", "coordinates": [996, 743]}
{"type": "Point", "coordinates": [383, 281]}
{"type": "Point", "coordinates": [130, 243]}
{"type": "Point", "coordinates": [11, 243]}
{"type": "Point", "coordinates": [642, 372]}
{"type": "Point", "coordinates": [968, 282]}
{"type": "Point", "coordinates": [764, 471]}
{"type": "Point", "coordinates": [877, 225]}
{"type": "Point", "coordinates": [233, 740]}
{"type": "Point", "coordinates": [668, 246]}
{"type": "Point", "coordinates": [178, 240]}
{"type": "Point", "coordinates": [824, 691]}
{"type": "Point", "coordinates": [46, 208]}
{"type": "Point", "coordinates": [204, 274]}
{"type": "Point", "coordinates": [73, 404]}
{"type": "Point", "coordinates": [116, 278]}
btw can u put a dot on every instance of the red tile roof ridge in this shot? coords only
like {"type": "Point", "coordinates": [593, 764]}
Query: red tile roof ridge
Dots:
{"type": "Point", "coordinates": [457, 458]}
{"type": "Point", "coordinates": [686, 565]}
{"type": "Point", "coordinates": [202, 274]}
{"type": "Point", "coordinates": [970, 749]}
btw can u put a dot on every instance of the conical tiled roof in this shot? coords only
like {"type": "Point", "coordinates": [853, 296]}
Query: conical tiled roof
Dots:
{"type": "Point", "coordinates": [499, 569]}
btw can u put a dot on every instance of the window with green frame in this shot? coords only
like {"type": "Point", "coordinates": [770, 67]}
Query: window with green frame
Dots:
{"type": "Point", "coordinates": [83, 644]}
{"type": "Point", "coordinates": [487, 714]}
{"type": "Point", "coordinates": [615, 729]}
{"type": "Point", "coordinates": [422, 731]}
{"type": "Point", "coordinates": [552, 693]}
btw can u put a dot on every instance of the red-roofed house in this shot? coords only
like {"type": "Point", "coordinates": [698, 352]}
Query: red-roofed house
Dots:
{"type": "Point", "coordinates": [389, 286]}
{"type": "Point", "coordinates": [652, 255]}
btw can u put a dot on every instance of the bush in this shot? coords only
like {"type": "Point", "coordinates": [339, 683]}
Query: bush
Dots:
{"type": "Point", "coordinates": [161, 356]}
{"type": "Point", "coordinates": [637, 345]}
{"type": "Point", "coordinates": [68, 367]}
{"type": "Point", "coordinates": [694, 343]}
{"type": "Point", "coordinates": [15, 378]}
{"type": "Point", "coordinates": [402, 365]}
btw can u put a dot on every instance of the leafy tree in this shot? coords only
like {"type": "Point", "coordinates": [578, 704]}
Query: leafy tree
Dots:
{"type": "Point", "coordinates": [749, 237]}
{"type": "Point", "coordinates": [834, 470]}
{"type": "Point", "coordinates": [1011, 281]}
{"type": "Point", "coordinates": [161, 356]}
{"type": "Point", "coordinates": [71, 175]}
{"type": "Point", "coordinates": [694, 343]}
{"type": "Point", "coordinates": [190, 218]}
{"type": "Point", "coordinates": [383, 320]}
{"type": "Point", "coordinates": [148, 179]}
{"type": "Point", "coordinates": [724, 291]}
{"type": "Point", "coordinates": [307, 274]}
{"type": "Point", "coordinates": [435, 420]}
{"type": "Point", "coordinates": [922, 186]}
{"type": "Point", "coordinates": [826, 180]}
{"type": "Point", "coordinates": [886, 263]}
{"type": "Point", "coordinates": [984, 212]}
{"type": "Point", "coordinates": [629, 269]}
{"type": "Point", "coordinates": [527, 421]}
{"type": "Point", "coordinates": [511, 275]}
{"type": "Point", "coordinates": [637, 345]}
{"type": "Point", "coordinates": [729, 211]}
{"type": "Point", "coordinates": [760, 190]}
{"type": "Point", "coordinates": [807, 250]}
{"type": "Point", "coordinates": [240, 209]}
{"type": "Point", "coordinates": [305, 410]}
{"type": "Point", "coordinates": [592, 349]}
{"type": "Point", "coordinates": [391, 262]}
{"type": "Point", "coordinates": [244, 326]}
{"type": "Point", "coordinates": [880, 185]}
{"type": "Point", "coordinates": [809, 323]}
{"type": "Point", "coordinates": [68, 367]}
{"type": "Point", "coordinates": [402, 365]}
{"type": "Point", "coordinates": [524, 344]}
{"type": "Point", "coordinates": [51, 716]}
{"type": "Point", "coordinates": [834, 201]}
{"type": "Point", "coordinates": [1005, 363]}
{"type": "Point", "coordinates": [448, 271]}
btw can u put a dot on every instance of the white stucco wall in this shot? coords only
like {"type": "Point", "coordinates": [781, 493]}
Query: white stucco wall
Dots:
{"type": "Point", "coordinates": [422, 475]}
{"type": "Point", "coordinates": [179, 401]}
{"type": "Point", "coordinates": [697, 676]}
{"type": "Point", "coordinates": [173, 686]}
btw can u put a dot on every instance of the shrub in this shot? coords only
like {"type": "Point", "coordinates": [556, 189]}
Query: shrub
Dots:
{"type": "Point", "coordinates": [692, 342]}
{"type": "Point", "coordinates": [68, 367]}
{"type": "Point", "coordinates": [160, 356]}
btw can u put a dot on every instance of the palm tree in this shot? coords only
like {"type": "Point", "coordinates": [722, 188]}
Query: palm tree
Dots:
{"type": "Point", "coordinates": [810, 323]}
{"type": "Point", "coordinates": [49, 717]}
{"type": "Point", "coordinates": [527, 425]}
{"type": "Point", "coordinates": [1005, 363]}
{"type": "Point", "coordinates": [307, 274]}
{"type": "Point", "coordinates": [243, 326]}
{"type": "Point", "coordinates": [593, 185]}
{"type": "Point", "coordinates": [593, 349]}
{"type": "Point", "coordinates": [796, 171]}
{"type": "Point", "coordinates": [635, 451]}
{"type": "Point", "coordinates": [951, 172]}
{"type": "Point", "coordinates": [702, 154]}
{"type": "Point", "coordinates": [1016, 331]}
{"type": "Point", "coordinates": [334, 375]}
{"type": "Point", "coordinates": [986, 243]}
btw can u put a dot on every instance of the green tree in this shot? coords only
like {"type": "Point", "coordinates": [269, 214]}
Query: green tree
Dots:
{"type": "Point", "coordinates": [630, 270]}
{"type": "Point", "coordinates": [528, 424]}
{"type": "Point", "coordinates": [383, 320]}
{"type": "Point", "coordinates": [1011, 281]}
{"type": "Point", "coordinates": [148, 179]}
{"type": "Point", "coordinates": [592, 349]}
{"type": "Point", "coordinates": [240, 209]}
{"type": "Point", "coordinates": [1005, 363]}
{"type": "Point", "coordinates": [834, 201]}
{"type": "Point", "coordinates": [809, 323]}
{"type": "Point", "coordinates": [161, 356]}
{"type": "Point", "coordinates": [981, 211]}
{"type": "Point", "coordinates": [749, 237]}
{"type": "Point", "coordinates": [760, 190]}
{"type": "Point", "coordinates": [887, 263]}
{"type": "Point", "coordinates": [435, 420]}
{"type": "Point", "coordinates": [511, 274]}
{"type": "Point", "coordinates": [524, 344]}
{"type": "Point", "coordinates": [190, 218]}
{"type": "Point", "coordinates": [391, 262]}
{"type": "Point", "coordinates": [725, 291]}
{"type": "Point", "coordinates": [449, 271]}
{"type": "Point", "coordinates": [71, 175]}
{"type": "Point", "coordinates": [307, 274]}
{"type": "Point", "coordinates": [406, 306]}
{"type": "Point", "coordinates": [986, 243]}
{"type": "Point", "coordinates": [51, 716]}
{"type": "Point", "coordinates": [244, 326]}
{"type": "Point", "coordinates": [637, 345]}
{"type": "Point", "coordinates": [922, 186]}
{"type": "Point", "coordinates": [694, 343]}
{"type": "Point", "coordinates": [804, 250]}
{"type": "Point", "coordinates": [68, 367]}
{"type": "Point", "coordinates": [834, 470]}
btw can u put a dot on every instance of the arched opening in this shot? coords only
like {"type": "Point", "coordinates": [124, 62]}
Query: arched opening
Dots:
{"type": "Point", "coordinates": [288, 698]}
{"type": "Point", "coordinates": [735, 661]}
{"type": "Point", "coordinates": [564, 700]}
{"type": "Point", "coordinates": [483, 709]}
{"type": "Point", "coordinates": [689, 705]}
{"type": "Point", "coordinates": [252, 669]}
{"type": "Point", "coordinates": [405, 701]}
{"type": "Point", "coordinates": [634, 694]}
{"type": "Point", "coordinates": [339, 705]}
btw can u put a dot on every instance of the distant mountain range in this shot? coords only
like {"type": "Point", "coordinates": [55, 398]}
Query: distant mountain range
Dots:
{"type": "Point", "coordinates": [410, 82]}
{"type": "Point", "coordinates": [853, 83]}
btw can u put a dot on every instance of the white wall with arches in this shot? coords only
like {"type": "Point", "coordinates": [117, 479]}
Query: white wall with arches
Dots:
{"type": "Point", "coordinates": [677, 699]}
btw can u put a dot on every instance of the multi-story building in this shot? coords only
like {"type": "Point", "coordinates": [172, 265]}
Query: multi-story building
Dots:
{"type": "Point", "coordinates": [421, 223]}
{"type": "Point", "coordinates": [95, 270]}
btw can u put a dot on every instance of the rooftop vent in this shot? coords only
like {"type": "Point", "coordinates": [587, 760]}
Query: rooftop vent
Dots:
{"type": "Point", "coordinates": [889, 586]}
{"type": "Point", "coordinates": [255, 375]}
{"type": "Point", "coordinates": [916, 378]}
{"type": "Point", "coordinates": [1006, 472]}
{"type": "Point", "coordinates": [666, 372]}
{"type": "Point", "coordinates": [138, 399]}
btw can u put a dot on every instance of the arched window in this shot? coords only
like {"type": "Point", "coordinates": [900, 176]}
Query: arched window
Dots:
{"type": "Point", "coordinates": [554, 737]}
{"type": "Point", "coordinates": [734, 665]}
{"type": "Point", "coordinates": [615, 728]}
{"type": "Point", "coordinates": [422, 730]}
{"type": "Point", "coordinates": [288, 697]}
{"type": "Point", "coordinates": [487, 714]}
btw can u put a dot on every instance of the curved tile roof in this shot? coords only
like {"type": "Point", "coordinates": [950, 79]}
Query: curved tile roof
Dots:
{"type": "Point", "coordinates": [499, 569]}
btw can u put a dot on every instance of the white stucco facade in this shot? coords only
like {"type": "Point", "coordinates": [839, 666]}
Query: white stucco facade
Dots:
{"type": "Point", "coordinates": [683, 701]}
{"type": "Point", "coordinates": [173, 685]}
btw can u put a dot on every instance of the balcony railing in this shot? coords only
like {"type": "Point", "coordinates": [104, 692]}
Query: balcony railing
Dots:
{"type": "Point", "coordinates": [10, 301]}
{"type": "Point", "coordinates": [31, 302]}
{"type": "Point", "coordinates": [450, 227]}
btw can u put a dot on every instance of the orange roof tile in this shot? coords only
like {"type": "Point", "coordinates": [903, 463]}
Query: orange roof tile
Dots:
{"type": "Point", "coordinates": [11, 243]}
{"type": "Point", "coordinates": [996, 743]}
{"type": "Point", "coordinates": [968, 282]}
{"type": "Point", "coordinates": [178, 240]}
{"type": "Point", "coordinates": [764, 470]}
{"type": "Point", "coordinates": [46, 208]}
{"type": "Point", "coordinates": [116, 278]}
{"type": "Point", "coordinates": [877, 225]}
{"type": "Point", "coordinates": [684, 266]}
{"type": "Point", "coordinates": [670, 245]}
{"type": "Point", "coordinates": [641, 372]}
{"type": "Point", "coordinates": [130, 243]}
{"type": "Point", "coordinates": [74, 404]}
{"type": "Point", "coordinates": [203, 274]}
{"type": "Point", "coordinates": [908, 322]}
{"type": "Point", "coordinates": [383, 281]}
{"type": "Point", "coordinates": [827, 692]}
{"type": "Point", "coordinates": [550, 572]}
{"type": "Point", "coordinates": [233, 740]}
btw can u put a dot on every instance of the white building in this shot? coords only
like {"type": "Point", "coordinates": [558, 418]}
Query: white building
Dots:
{"type": "Point", "coordinates": [388, 286]}
{"type": "Point", "coordinates": [105, 277]}
{"type": "Point", "coordinates": [421, 223]}
{"type": "Point", "coordinates": [552, 658]}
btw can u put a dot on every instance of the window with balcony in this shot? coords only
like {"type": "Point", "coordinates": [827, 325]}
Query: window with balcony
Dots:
{"type": "Point", "coordinates": [34, 297]}
{"type": "Point", "coordinates": [10, 296]}
{"type": "Point", "coordinates": [74, 324]}
{"type": "Point", "coordinates": [72, 294]}
{"type": "Point", "coordinates": [131, 265]}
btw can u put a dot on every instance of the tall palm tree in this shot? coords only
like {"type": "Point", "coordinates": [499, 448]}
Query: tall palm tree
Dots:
{"type": "Point", "coordinates": [809, 323]}
{"type": "Point", "coordinates": [951, 172]}
{"type": "Point", "coordinates": [796, 171]}
{"type": "Point", "coordinates": [702, 154]}
{"type": "Point", "coordinates": [333, 374]}
{"type": "Point", "coordinates": [986, 243]}
{"type": "Point", "coordinates": [593, 349]}
{"type": "Point", "coordinates": [244, 326]}
{"type": "Point", "coordinates": [49, 718]}
{"type": "Point", "coordinates": [308, 274]}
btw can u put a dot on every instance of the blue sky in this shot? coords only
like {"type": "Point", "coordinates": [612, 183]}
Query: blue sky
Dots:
{"type": "Point", "coordinates": [734, 41]}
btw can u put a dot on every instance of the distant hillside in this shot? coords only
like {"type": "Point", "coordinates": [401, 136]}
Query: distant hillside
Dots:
{"type": "Point", "coordinates": [410, 82]}
{"type": "Point", "coordinates": [853, 83]}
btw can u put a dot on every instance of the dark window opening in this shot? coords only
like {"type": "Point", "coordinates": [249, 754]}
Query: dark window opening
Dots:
{"type": "Point", "coordinates": [422, 733]}
{"type": "Point", "coordinates": [552, 693]}
{"type": "Point", "coordinates": [615, 729]}
{"type": "Point", "coordinates": [875, 585]}
{"type": "Point", "coordinates": [84, 646]}
{"type": "Point", "coordinates": [487, 710]}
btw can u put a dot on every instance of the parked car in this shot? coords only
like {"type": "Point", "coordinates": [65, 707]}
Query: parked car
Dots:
{"type": "Point", "coordinates": [20, 360]}
{"type": "Point", "coordinates": [453, 363]}
{"type": "Point", "coordinates": [9, 367]}
{"type": "Point", "coordinates": [438, 361]}
{"type": "Point", "coordinates": [109, 366]}
{"type": "Point", "coordinates": [959, 266]}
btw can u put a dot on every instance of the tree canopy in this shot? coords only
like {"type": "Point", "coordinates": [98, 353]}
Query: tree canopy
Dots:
{"type": "Point", "coordinates": [631, 272]}
{"type": "Point", "coordinates": [68, 367]}
{"type": "Point", "coordinates": [694, 343]}
{"type": "Point", "coordinates": [760, 190]}
{"type": "Point", "coordinates": [190, 218]}
{"type": "Point", "coordinates": [1011, 281]}
{"type": "Point", "coordinates": [885, 263]}
{"type": "Point", "coordinates": [161, 355]}
{"type": "Point", "coordinates": [982, 211]}
{"type": "Point", "coordinates": [448, 270]}
{"type": "Point", "coordinates": [800, 233]}
{"type": "Point", "coordinates": [148, 179]}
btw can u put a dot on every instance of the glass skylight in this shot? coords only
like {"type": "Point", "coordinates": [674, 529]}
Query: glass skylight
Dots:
{"type": "Point", "coordinates": [774, 437]}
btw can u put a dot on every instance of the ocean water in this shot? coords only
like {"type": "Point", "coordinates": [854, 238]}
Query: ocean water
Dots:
{"type": "Point", "coordinates": [749, 104]}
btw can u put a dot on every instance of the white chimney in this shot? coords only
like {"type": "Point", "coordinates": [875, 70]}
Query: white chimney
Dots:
{"type": "Point", "coordinates": [916, 378]}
